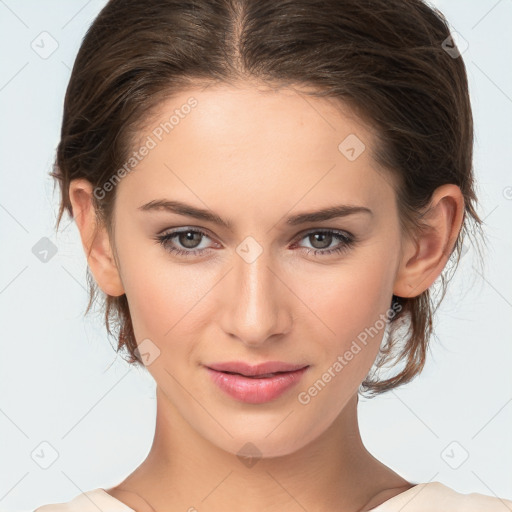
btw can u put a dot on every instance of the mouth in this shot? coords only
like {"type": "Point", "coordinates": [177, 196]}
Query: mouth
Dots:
{"type": "Point", "coordinates": [256, 384]}
{"type": "Point", "coordinates": [263, 376]}
{"type": "Point", "coordinates": [261, 370]}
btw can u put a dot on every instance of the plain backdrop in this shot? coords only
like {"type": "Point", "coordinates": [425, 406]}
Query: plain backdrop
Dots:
{"type": "Point", "coordinates": [74, 417]}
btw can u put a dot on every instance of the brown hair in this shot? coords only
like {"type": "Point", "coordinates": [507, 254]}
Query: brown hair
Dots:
{"type": "Point", "coordinates": [385, 59]}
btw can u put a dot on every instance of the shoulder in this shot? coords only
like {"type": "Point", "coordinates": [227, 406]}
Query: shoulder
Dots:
{"type": "Point", "coordinates": [470, 502]}
{"type": "Point", "coordinates": [435, 496]}
{"type": "Point", "coordinates": [90, 501]}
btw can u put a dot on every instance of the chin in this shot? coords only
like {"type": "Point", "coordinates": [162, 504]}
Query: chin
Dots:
{"type": "Point", "coordinates": [256, 445]}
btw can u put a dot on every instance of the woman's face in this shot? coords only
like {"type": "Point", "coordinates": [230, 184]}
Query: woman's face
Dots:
{"type": "Point", "coordinates": [255, 291]}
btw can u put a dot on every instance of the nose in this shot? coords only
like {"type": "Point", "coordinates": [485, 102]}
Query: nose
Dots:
{"type": "Point", "coordinates": [257, 301]}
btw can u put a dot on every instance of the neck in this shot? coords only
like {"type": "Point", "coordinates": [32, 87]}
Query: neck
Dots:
{"type": "Point", "coordinates": [184, 471]}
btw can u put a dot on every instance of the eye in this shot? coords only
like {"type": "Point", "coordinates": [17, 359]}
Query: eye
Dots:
{"type": "Point", "coordinates": [191, 239]}
{"type": "Point", "coordinates": [324, 238]}
{"type": "Point", "coordinates": [188, 238]}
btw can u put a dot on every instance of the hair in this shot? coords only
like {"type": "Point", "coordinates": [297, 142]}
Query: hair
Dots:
{"type": "Point", "coordinates": [384, 59]}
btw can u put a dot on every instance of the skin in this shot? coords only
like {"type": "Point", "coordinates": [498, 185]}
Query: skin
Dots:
{"type": "Point", "coordinates": [254, 156]}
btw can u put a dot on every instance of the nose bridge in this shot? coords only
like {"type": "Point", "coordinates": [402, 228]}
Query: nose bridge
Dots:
{"type": "Point", "coordinates": [256, 304]}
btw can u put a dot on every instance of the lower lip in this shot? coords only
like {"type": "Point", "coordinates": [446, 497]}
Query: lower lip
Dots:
{"type": "Point", "coordinates": [256, 390]}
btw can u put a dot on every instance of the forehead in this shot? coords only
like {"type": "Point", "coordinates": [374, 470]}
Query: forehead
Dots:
{"type": "Point", "coordinates": [257, 142]}
{"type": "Point", "coordinates": [225, 115]}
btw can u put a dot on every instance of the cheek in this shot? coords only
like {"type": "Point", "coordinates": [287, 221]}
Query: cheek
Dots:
{"type": "Point", "coordinates": [158, 302]}
{"type": "Point", "coordinates": [159, 292]}
{"type": "Point", "coordinates": [167, 302]}
{"type": "Point", "coordinates": [349, 299]}
{"type": "Point", "coordinates": [350, 306]}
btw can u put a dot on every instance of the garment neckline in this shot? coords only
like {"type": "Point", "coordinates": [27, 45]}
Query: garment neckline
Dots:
{"type": "Point", "coordinates": [412, 491]}
{"type": "Point", "coordinates": [104, 494]}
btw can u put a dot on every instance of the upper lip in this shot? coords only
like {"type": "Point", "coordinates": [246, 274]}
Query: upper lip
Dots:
{"type": "Point", "coordinates": [254, 370]}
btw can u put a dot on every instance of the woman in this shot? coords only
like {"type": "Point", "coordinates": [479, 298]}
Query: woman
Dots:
{"type": "Point", "coordinates": [266, 193]}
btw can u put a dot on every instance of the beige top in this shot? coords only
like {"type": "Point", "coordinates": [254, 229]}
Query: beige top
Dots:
{"type": "Point", "coordinates": [428, 497]}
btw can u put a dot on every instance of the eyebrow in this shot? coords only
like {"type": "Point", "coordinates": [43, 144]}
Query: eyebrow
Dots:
{"type": "Point", "coordinates": [180, 208]}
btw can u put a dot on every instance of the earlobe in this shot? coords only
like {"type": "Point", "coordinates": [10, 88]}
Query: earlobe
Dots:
{"type": "Point", "coordinates": [425, 255]}
{"type": "Point", "coordinates": [95, 239]}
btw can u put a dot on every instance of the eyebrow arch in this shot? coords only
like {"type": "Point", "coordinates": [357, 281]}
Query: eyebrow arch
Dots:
{"type": "Point", "coordinates": [180, 208]}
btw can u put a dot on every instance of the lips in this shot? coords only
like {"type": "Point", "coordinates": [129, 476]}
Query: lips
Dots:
{"type": "Point", "coordinates": [262, 370]}
{"type": "Point", "coordinates": [256, 384]}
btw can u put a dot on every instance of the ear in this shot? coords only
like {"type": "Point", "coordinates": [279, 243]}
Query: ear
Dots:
{"type": "Point", "coordinates": [425, 254]}
{"type": "Point", "coordinates": [95, 238]}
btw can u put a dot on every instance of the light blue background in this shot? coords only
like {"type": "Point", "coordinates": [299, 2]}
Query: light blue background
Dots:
{"type": "Point", "coordinates": [60, 380]}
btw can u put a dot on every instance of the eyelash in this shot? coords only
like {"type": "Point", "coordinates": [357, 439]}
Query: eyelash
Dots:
{"type": "Point", "coordinates": [347, 240]}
